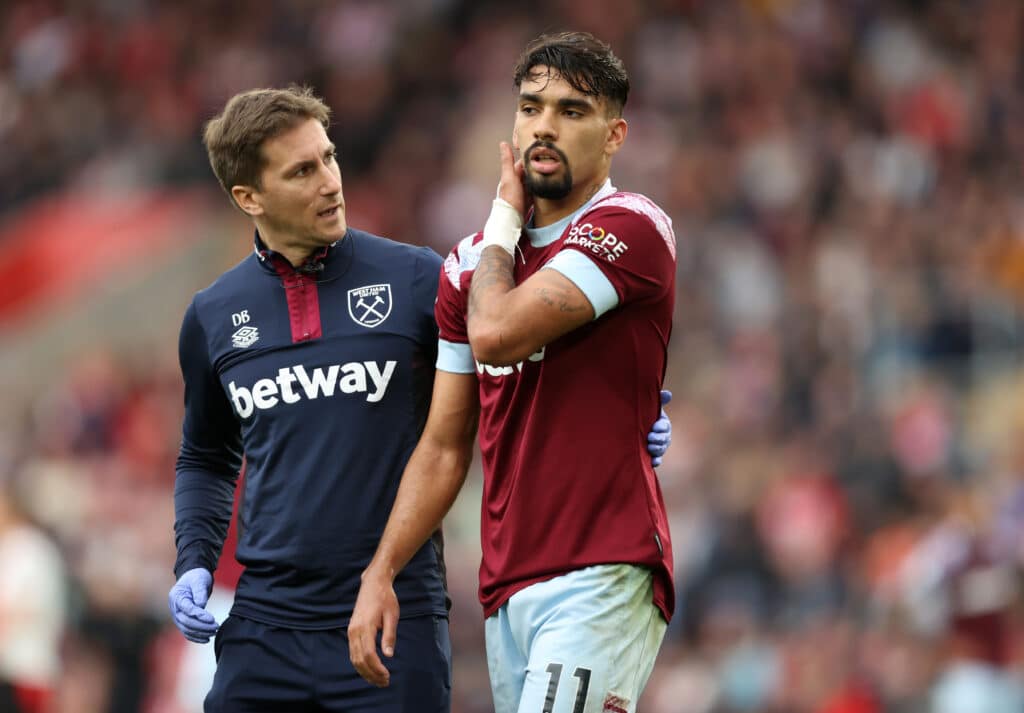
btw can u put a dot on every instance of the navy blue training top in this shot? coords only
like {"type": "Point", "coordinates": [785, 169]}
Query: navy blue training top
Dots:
{"type": "Point", "coordinates": [321, 376]}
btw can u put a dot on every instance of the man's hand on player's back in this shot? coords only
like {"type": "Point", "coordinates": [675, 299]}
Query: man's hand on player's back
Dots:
{"type": "Point", "coordinates": [660, 437]}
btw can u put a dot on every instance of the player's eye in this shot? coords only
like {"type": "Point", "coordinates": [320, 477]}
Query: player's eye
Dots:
{"type": "Point", "coordinates": [528, 110]}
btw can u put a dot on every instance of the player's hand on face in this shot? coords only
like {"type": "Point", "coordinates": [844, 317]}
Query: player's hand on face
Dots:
{"type": "Point", "coordinates": [376, 610]}
{"type": "Point", "coordinates": [187, 600]}
{"type": "Point", "coordinates": [660, 437]}
{"type": "Point", "coordinates": [510, 186]}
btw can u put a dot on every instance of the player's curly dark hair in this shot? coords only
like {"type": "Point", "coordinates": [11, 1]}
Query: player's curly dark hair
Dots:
{"type": "Point", "coordinates": [234, 139]}
{"type": "Point", "coordinates": [585, 62]}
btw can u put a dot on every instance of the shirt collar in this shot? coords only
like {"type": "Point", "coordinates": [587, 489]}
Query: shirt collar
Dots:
{"type": "Point", "coordinates": [272, 259]}
{"type": "Point", "coordinates": [539, 237]}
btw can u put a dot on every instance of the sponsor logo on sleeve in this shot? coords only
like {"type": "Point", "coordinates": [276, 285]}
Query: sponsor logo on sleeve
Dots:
{"type": "Point", "coordinates": [369, 306]}
{"type": "Point", "coordinates": [597, 240]}
{"type": "Point", "coordinates": [642, 205]}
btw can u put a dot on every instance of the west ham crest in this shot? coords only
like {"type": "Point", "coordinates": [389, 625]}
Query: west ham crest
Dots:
{"type": "Point", "coordinates": [370, 305]}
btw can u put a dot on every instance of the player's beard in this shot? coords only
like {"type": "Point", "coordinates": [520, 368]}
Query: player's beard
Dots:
{"type": "Point", "coordinates": [552, 187]}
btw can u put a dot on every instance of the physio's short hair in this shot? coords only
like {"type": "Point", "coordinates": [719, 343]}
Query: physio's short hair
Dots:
{"type": "Point", "coordinates": [234, 138]}
{"type": "Point", "coordinates": [585, 62]}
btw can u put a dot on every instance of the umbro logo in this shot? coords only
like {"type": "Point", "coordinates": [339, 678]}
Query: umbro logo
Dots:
{"type": "Point", "coordinates": [245, 337]}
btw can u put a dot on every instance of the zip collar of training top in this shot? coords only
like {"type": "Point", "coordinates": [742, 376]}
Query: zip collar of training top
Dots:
{"type": "Point", "coordinates": [277, 264]}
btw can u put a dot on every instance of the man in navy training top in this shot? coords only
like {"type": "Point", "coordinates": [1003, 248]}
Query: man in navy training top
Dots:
{"type": "Point", "coordinates": [566, 330]}
{"type": "Point", "coordinates": [313, 357]}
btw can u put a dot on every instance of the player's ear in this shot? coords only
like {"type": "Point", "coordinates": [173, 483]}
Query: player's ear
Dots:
{"type": "Point", "coordinates": [247, 198]}
{"type": "Point", "coordinates": [617, 130]}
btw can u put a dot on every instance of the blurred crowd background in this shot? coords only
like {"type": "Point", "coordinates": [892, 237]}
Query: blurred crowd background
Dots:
{"type": "Point", "coordinates": [846, 481]}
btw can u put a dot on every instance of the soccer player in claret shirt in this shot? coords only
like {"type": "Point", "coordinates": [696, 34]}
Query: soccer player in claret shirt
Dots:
{"type": "Point", "coordinates": [566, 329]}
{"type": "Point", "coordinates": [314, 357]}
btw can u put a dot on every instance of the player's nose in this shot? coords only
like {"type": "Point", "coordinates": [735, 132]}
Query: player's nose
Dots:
{"type": "Point", "coordinates": [331, 182]}
{"type": "Point", "coordinates": [544, 127]}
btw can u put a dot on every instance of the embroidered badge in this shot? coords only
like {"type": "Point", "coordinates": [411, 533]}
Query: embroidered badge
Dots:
{"type": "Point", "coordinates": [369, 306]}
{"type": "Point", "coordinates": [245, 337]}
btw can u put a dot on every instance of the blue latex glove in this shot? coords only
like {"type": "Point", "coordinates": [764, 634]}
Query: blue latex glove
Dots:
{"type": "Point", "coordinates": [660, 437]}
{"type": "Point", "coordinates": [187, 600]}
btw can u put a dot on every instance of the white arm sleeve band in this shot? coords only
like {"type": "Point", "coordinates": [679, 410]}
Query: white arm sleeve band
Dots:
{"type": "Point", "coordinates": [455, 358]}
{"type": "Point", "coordinates": [588, 277]}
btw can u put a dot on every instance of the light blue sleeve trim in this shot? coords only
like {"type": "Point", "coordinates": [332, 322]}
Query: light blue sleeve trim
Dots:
{"type": "Point", "coordinates": [454, 357]}
{"type": "Point", "coordinates": [588, 277]}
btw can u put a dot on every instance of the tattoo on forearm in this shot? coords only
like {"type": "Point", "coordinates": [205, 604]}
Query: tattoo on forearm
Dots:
{"type": "Point", "coordinates": [493, 276]}
{"type": "Point", "coordinates": [557, 299]}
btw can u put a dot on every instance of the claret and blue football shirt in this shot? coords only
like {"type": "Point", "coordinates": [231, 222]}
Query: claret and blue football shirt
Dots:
{"type": "Point", "coordinates": [568, 480]}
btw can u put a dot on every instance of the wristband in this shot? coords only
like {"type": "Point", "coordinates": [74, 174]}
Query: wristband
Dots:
{"type": "Point", "coordinates": [503, 227]}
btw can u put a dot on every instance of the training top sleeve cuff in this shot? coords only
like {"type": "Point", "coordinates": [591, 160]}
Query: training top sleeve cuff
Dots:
{"type": "Point", "coordinates": [454, 357]}
{"type": "Point", "coordinates": [588, 277]}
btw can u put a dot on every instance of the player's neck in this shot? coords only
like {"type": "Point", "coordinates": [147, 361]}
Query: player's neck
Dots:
{"type": "Point", "coordinates": [547, 211]}
{"type": "Point", "coordinates": [294, 251]}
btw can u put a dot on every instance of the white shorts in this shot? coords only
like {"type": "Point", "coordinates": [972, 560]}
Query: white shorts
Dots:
{"type": "Point", "coordinates": [584, 642]}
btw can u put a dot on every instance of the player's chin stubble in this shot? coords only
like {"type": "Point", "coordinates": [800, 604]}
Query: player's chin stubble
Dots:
{"type": "Point", "coordinates": [549, 187]}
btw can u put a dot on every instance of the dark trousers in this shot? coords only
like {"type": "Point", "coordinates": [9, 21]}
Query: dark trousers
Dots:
{"type": "Point", "coordinates": [268, 669]}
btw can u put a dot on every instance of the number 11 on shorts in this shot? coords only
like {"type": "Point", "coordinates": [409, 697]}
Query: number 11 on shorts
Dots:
{"type": "Point", "coordinates": [583, 674]}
